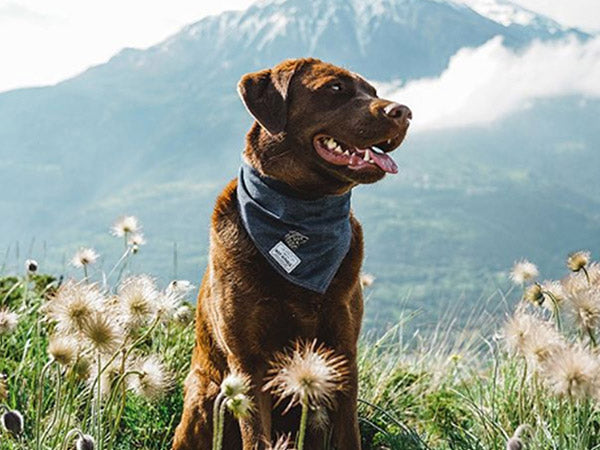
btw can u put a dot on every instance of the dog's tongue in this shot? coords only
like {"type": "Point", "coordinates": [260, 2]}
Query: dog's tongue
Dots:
{"type": "Point", "coordinates": [385, 162]}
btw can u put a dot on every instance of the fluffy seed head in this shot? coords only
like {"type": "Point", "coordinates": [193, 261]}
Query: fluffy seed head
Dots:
{"type": "Point", "coordinates": [235, 384]}
{"type": "Point", "coordinates": [84, 257]}
{"type": "Point", "coordinates": [167, 304]}
{"type": "Point", "coordinates": [31, 266]}
{"type": "Point", "coordinates": [532, 338]}
{"type": "Point", "coordinates": [184, 315]}
{"type": "Point", "coordinates": [240, 405]}
{"type": "Point", "coordinates": [102, 332]}
{"type": "Point", "coordinates": [126, 225]}
{"type": "Point", "coordinates": [308, 375]}
{"type": "Point", "coordinates": [523, 271]}
{"type": "Point", "coordinates": [584, 306]}
{"type": "Point", "coordinates": [514, 443]}
{"type": "Point", "coordinates": [136, 239]}
{"type": "Point", "coordinates": [12, 421]}
{"type": "Point", "coordinates": [8, 321]}
{"type": "Point", "coordinates": [533, 294]}
{"type": "Point", "coordinates": [85, 442]}
{"type": "Point", "coordinates": [181, 287]}
{"type": "Point", "coordinates": [366, 280]}
{"type": "Point", "coordinates": [154, 380]}
{"type": "Point", "coordinates": [572, 372]}
{"type": "Point", "coordinates": [578, 260]}
{"type": "Point", "coordinates": [319, 419]}
{"type": "Point", "coordinates": [553, 291]}
{"type": "Point", "coordinates": [82, 368]}
{"type": "Point", "coordinates": [73, 304]}
{"type": "Point", "coordinates": [138, 298]}
{"type": "Point", "coordinates": [62, 349]}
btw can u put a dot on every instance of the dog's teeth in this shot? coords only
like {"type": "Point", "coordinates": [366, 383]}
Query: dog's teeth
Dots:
{"type": "Point", "coordinates": [367, 156]}
{"type": "Point", "coordinates": [338, 149]}
{"type": "Point", "coordinates": [389, 141]}
{"type": "Point", "coordinates": [347, 153]}
{"type": "Point", "coordinates": [331, 144]}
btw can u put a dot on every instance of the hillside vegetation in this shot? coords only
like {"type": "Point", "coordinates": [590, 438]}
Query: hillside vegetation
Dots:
{"type": "Point", "coordinates": [532, 381]}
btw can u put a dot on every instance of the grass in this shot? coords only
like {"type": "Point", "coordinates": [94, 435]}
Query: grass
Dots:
{"type": "Point", "coordinates": [441, 391]}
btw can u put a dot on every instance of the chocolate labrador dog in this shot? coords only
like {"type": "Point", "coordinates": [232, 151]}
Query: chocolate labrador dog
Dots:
{"type": "Point", "coordinates": [285, 249]}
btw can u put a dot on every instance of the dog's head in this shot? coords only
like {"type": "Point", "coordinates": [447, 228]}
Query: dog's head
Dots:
{"type": "Point", "coordinates": [319, 128]}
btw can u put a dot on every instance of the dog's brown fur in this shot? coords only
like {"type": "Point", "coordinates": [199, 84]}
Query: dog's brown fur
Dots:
{"type": "Point", "coordinates": [246, 312]}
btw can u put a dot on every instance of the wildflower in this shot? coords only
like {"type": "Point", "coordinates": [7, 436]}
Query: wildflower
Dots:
{"type": "Point", "coordinates": [126, 225]}
{"type": "Point", "coordinates": [12, 421]}
{"type": "Point", "coordinates": [578, 260]}
{"type": "Point", "coordinates": [62, 349]}
{"type": "Point", "coordinates": [533, 294]}
{"type": "Point", "coordinates": [514, 443]}
{"type": "Point", "coordinates": [366, 280]}
{"type": "Point", "coordinates": [138, 298]}
{"type": "Point", "coordinates": [136, 239]}
{"type": "Point", "coordinates": [518, 330]}
{"type": "Point", "coordinates": [553, 292]}
{"type": "Point", "coordinates": [593, 272]}
{"type": "Point", "coordinates": [542, 343]}
{"type": "Point", "coordinates": [85, 442]}
{"type": "Point", "coordinates": [102, 332]}
{"type": "Point", "coordinates": [8, 321]}
{"type": "Point", "coordinates": [73, 305]}
{"type": "Point", "coordinates": [319, 420]}
{"type": "Point", "coordinates": [84, 257]}
{"type": "Point", "coordinates": [523, 271]}
{"type": "Point", "coordinates": [181, 287]}
{"type": "Point", "coordinates": [184, 315]}
{"type": "Point", "coordinates": [31, 266]}
{"type": "Point", "coordinates": [108, 378]}
{"type": "Point", "coordinates": [309, 374]}
{"type": "Point", "coordinates": [82, 368]}
{"type": "Point", "coordinates": [532, 338]}
{"type": "Point", "coordinates": [167, 304]}
{"type": "Point", "coordinates": [585, 307]}
{"type": "Point", "coordinates": [240, 405]}
{"type": "Point", "coordinates": [572, 372]}
{"type": "Point", "coordinates": [235, 384]}
{"type": "Point", "coordinates": [152, 380]}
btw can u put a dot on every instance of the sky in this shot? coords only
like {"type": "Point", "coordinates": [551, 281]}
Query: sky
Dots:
{"type": "Point", "coordinates": [43, 42]}
{"type": "Point", "coordinates": [506, 81]}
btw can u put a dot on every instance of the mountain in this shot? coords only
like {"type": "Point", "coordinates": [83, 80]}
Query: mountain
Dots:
{"type": "Point", "coordinates": [158, 132]}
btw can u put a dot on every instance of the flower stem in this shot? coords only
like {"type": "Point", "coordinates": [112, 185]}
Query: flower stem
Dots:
{"type": "Point", "coordinates": [216, 424]}
{"type": "Point", "coordinates": [221, 423]}
{"type": "Point", "coordinates": [303, 422]}
{"type": "Point", "coordinates": [57, 406]}
{"type": "Point", "coordinates": [98, 405]}
{"type": "Point", "coordinates": [38, 413]}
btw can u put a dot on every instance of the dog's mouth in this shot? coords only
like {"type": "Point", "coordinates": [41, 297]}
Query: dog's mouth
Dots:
{"type": "Point", "coordinates": [354, 158]}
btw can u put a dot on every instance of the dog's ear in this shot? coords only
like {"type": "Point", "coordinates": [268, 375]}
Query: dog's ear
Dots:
{"type": "Point", "coordinates": [265, 95]}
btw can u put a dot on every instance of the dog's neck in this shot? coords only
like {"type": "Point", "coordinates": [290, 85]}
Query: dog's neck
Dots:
{"type": "Point", "coordinates": [281, 157]}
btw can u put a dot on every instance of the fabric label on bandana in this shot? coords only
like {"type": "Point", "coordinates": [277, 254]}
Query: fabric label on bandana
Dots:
{"type": "Point", "coordinates": [285, 257]}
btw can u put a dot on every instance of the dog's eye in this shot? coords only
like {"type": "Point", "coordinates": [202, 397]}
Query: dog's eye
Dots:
{"type": "Point", "coordinates": [336, 87]}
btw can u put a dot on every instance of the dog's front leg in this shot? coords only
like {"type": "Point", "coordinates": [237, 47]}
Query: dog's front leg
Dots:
{"type": "Point", "coordinates": [256, 428]}
{"type": "Point", "coordinates": [344, 418]}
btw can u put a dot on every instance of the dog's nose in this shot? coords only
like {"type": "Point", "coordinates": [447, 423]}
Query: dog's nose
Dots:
{"type": "Point", "coordinates": [397, 111]}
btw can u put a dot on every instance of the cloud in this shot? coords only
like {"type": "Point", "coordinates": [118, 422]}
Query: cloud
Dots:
{"type": "Point", "coordinates": [484, 84]}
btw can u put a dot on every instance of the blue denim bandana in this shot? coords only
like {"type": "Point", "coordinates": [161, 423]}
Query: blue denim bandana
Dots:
{"type": "Point", "coordinates": [304, 240]}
